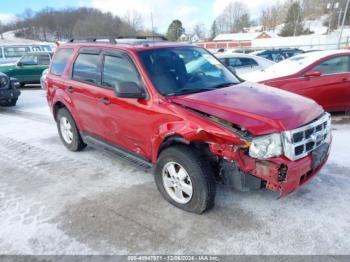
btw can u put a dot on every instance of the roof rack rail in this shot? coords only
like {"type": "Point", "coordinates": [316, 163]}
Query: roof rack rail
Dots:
{"type": "Point", "coordinates": [93, 40]}
{"type": "Point", "coordinates": [160, 37]}
{"type": "Point", "coordinates": [114, 40]}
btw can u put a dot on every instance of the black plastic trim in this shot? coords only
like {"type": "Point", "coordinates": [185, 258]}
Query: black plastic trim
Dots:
{"type": "Point", "coordinates": [123, 153]}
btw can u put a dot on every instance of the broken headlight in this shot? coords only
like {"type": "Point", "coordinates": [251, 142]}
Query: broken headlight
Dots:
{"type": "Point", "coordinates": [265, 147]}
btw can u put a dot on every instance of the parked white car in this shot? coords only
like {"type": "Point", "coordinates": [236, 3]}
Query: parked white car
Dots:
{"type": "Point", "coordinates": [244, 63]}
{"type": "Point", "coordinates": [11, 53]}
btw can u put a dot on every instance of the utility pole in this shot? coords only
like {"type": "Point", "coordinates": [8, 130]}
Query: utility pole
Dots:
{"type": "Point", "coordinates": [343, 23]}
{"type": "Point", "coordinates": [339, 17]}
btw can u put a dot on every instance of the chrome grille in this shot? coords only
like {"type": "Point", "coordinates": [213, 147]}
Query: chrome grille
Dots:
{"type": "Point", "coordinates": [298, 143]}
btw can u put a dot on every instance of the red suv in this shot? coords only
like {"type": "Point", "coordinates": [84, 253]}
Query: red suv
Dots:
{"type": "Point", "coordinates": [176, 108]}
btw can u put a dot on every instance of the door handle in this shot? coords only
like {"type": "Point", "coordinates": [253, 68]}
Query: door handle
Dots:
{"type": "Point", "coordinates": [70, 89]}
{"type": "Point", "coordinates": [345, 79]}
{"type": "Point", "coordinates": [105, 101]}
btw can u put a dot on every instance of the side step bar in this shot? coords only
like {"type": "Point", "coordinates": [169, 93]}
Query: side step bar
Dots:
{"type": "Point", "coordinates": [133, 158]}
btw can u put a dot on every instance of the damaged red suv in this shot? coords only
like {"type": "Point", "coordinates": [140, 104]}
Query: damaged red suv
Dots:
{"type": "Point", "coordinates": [175, 108]}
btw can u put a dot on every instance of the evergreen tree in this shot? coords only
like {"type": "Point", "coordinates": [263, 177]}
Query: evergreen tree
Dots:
{"type": "Point", "coordinates": [213, 30]}
{"type": "Point", "coordinates": [175, 30]}
{"type": "Point", "coordinates": [294, 22]}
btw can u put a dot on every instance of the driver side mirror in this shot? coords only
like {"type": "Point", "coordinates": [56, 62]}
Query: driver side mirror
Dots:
{"type": "Point", "coordinates": [232, 69]}
{"type": "Point", "coordinates": [129, 90]}
{"type": "Point", "coordinates": [314, 73]}
{"type": "Point", "coordinates": [19, 64]}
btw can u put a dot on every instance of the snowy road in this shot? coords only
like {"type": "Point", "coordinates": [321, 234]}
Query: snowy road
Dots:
{"type": "Point", "coordinates": [57, 202]}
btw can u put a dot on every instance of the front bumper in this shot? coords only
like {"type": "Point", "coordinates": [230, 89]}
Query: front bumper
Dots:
{"type": "Point", "coordinates": [297, 174]}
{"type": "Point", "coordinates": [280, 174]}
{"type": "Point", "coordinates": [6, 94]}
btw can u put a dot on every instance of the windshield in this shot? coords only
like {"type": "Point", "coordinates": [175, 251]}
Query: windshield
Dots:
{"type": "Point", "coordinates": [185, 70]}
{"type": "Point", "coordinates": [291, 65]}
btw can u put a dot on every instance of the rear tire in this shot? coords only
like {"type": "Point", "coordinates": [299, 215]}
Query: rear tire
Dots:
{"type": "Point", "coordinates": [180, 168]}
{"type": "Point", "coordinates": [68, 131]}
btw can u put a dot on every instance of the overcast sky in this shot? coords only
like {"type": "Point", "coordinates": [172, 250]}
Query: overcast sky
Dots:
{"type": "Point", "coordinates": [190, 12]}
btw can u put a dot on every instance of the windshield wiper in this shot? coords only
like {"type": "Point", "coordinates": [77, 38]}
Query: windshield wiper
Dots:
{"type": "Point", "coordinates": [222, 85]}
{"type": "Point", "coordinates": [185, 91]}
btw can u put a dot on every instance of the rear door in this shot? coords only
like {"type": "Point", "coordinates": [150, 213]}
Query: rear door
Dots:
{"type": "Point", "coordinates": [84, 90]}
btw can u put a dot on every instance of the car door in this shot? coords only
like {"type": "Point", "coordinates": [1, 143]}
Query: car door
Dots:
{"type": "Point", "coordinates": [126, 122]}
{"type": "Point", "coordinates": [84, 90]}
{"type": "Point", "coordinates": [328, 83]}
{"type": "Point", "coordinates": [28, 69]}
{"type": "Point", "coordinates": [44, 62]}
{"type": "Point", "coordinates": [332, 88]}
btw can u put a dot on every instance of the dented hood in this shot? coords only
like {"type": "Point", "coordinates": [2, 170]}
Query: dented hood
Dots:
{"type": "Point", "coordinates": [258, 108]}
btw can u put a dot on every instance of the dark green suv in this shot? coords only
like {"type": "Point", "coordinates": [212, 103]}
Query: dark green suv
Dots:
{"type": "Point", "coordinates": [28, 68]}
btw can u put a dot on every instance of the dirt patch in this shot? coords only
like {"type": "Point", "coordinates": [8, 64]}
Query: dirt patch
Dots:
{"type": "Point", "coordinates": [138, 220]}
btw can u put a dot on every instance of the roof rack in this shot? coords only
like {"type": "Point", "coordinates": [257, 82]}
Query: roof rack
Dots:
{"type": "Point", "coordinates": [114, 40]}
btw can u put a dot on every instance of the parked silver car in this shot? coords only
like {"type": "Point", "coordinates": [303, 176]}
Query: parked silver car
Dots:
{"type": "Point", "coordinates": [244, 63]}
{"type": "Point", "coordinates": [43, 79]}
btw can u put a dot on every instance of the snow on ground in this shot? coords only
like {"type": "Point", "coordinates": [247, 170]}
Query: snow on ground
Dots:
{"type": "Point", "coordinates": [341, 147]}
{"type": "Point", "coordinates": [10, 38]}
{"type": "Point", "coordinates": [58, 202]}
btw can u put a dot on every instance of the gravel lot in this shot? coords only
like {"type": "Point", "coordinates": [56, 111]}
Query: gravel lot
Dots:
{"type": "Point", "coordinates": [57, 202]}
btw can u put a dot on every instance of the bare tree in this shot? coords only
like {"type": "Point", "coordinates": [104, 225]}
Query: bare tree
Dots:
{"type": "Point", "coordinates": [271, 17]}
{"type": "Point", "coordinates": [234, 18]}
{"type": "Point", "coordinates": [200, 30]}
{"type": "Point", "coordinates": [134, 20]}
{"type": "Point", "coordinates": [52, 25]}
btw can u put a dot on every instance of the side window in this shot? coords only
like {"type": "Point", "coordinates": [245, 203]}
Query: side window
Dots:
{"type": "Point", "coordinates": [36, 48]}
{"type": "Point", "coordinates": [16, 51]}
{"type": "Point", "coordinates": [44, 59]}
{"type": "Point", "coordinates": [277, 57]}
{"type": "Point", "coordinates": [248, 62]}
{"type": "Point", "coordinates": [60, 61]}
{"type": "Point", "coordinates": [223, 60]}
{"type": "Point", "coordinates": [242, 62]}
{"type": "Point", "coordinates": [86, 68]}
{"type": "Point", "coordinates": [234, 62]}
{"type": "Point", "coordinates": [267, 56]}
{"type": "Point", "coordinates": [335, 65]}
{"type": "Point", "coordinates": [117, 69]}
{"type": "Point", "coordinates": [29, 60]}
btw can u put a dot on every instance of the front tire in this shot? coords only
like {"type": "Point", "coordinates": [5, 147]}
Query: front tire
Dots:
{"type": "Point", "coordinates": [10, 102]}
{"type": "Point", "coordinates": [68, 131]}
{"type": "Point", "coordinates": [185, 180]}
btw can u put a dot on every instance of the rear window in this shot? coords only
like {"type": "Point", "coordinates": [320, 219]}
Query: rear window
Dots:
{"type": "Point", "coordinates": [15, 51]}
{"type": "Point", "coordinates": [60, 61]}
{"type": "Point", "coordinates": [86, 68]}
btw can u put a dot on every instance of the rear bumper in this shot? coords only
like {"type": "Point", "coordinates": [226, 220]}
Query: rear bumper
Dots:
{"type": "Point", "coordinates": [298, 173]}
{"type": "Point", "coordinates": [6, 94]}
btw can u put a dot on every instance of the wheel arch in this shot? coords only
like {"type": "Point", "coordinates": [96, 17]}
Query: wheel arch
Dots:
{"type": "Point", "coordinates": [58, 104]}
{"type": "Point", "coordinates": [177, 139]}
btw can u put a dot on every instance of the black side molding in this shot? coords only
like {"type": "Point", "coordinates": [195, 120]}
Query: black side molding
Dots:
{"type": "Point", "coordinates": [125, 154]}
